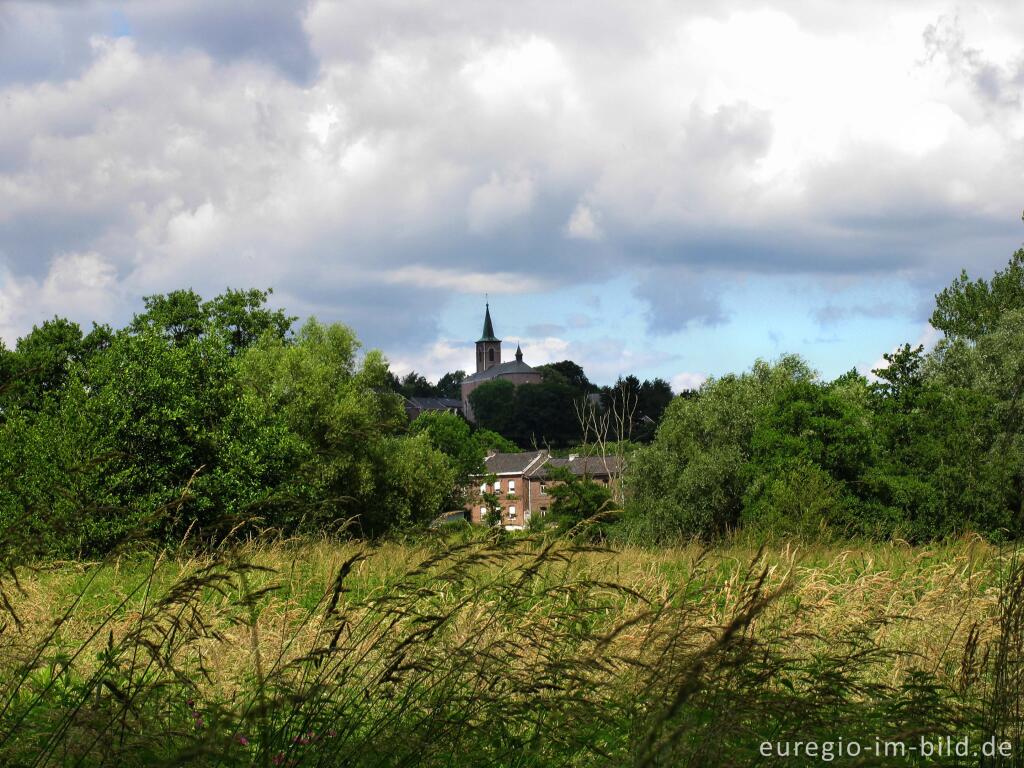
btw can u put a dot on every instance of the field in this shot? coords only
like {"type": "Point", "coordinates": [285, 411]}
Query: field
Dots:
{"type": "Point", "coordinates": [474, 650]}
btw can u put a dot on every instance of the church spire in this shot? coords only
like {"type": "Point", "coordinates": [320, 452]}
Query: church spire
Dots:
{"type": "Point", "coordinates": [488, 334]}
{"type": "Point", "coordinates": [519, 353]}
{"type": "Point", "coordinates": [488, 346]}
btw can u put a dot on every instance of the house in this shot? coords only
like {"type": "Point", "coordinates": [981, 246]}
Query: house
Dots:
{"type": "Point", "coordinates": [489, 366]}
{"type": "Point", "coordinates": [521, 484]}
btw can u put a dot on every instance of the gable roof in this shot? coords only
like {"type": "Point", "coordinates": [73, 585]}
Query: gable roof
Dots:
{"type": "Point", "coordinates": [512, 463]}
{"type": "Point", "coordinates": [593, 466]}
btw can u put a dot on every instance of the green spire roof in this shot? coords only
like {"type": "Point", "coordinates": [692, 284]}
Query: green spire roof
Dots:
{"type": "Point", "coordinates": [488, 334]}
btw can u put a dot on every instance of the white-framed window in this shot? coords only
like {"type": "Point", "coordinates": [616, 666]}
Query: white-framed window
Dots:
{"type": "Point", "coordinates": [512, 512]}
{"type": "Point", "coordinates": [483, 513]}
{"type": "Point", "coordinates": [511, 486]}
{"type": "Point", "coordinates": [483, 487]}
{"type": "Point", "coordinates": [497, 486]}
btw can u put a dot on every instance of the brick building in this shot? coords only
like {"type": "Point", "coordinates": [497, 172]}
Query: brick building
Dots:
{"type": "Point", "coordinates": [521, 484]}
{"type": "Point", "coordinates": [489, 366]}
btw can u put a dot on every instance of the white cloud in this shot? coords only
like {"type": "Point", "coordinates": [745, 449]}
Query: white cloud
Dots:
{"type": "Point", "coordinates": [464, 147]}
{"type": "Point", "coordinates": [686, 380]}
{"type": "Point", "coordinates": [77, 285]}
{"type": "Point", "coordinates": [464, 282]}
{"type": "Point", "coordinates": [582, 225]}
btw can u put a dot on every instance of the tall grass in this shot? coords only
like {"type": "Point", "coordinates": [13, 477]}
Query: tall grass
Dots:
{"type": "Point", "coordinates": [513, 652]}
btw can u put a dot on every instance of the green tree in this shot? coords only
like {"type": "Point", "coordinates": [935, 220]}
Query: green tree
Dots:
{"type": "Point", "coordinates": [568, 372]}
{"type": "Point", "coordinates": [244, 316]}
{"type": "Point", "coordinates": [493, 404]}
{"type": "Point", "coordinates": [240, 315]}
{"type": "Point", "coordinates": [971, 309]}
{"type": "Point", "coordinates": [357, 466]}
{"type": "Point", "coordinates": [691, 480]}
{"type": "Point", "coordinates": [450, 434]}
{"type": "Point", "coordinates": [576, 498]}
{"type": "Point", "coordinates": [815, 438]}
{"type": "Point", "coordinates": [545, 414]}
{"type": "Point", "coordinates": [450, 385]}
{"type": "Point", "coordinates": [178, 315]}
{"type": "Point", "coordinates": [42, 360]}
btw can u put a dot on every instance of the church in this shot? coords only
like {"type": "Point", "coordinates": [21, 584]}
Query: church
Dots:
{"type": "Point", "coordinates": [489, 366]}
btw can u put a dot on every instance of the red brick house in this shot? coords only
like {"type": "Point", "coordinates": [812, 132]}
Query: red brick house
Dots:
{"type": "Point", "coordinates": [520, 483]}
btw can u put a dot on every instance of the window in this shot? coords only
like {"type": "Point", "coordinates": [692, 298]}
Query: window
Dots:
{"type": "Point", "coordinates": [497, 486]}
{"type": "Point", "coordinates": [511, 486]}
{"type": "Point", "coordinates": [483, 488]}
{"type": "Point", "coordinates": [483, 513]}
{"type": "Point", "coordinates": [512, 513]}
{"type": "Point", "coordinates": [490, 355]}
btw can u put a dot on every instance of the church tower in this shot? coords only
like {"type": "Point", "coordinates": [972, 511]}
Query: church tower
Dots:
{"type": "Point", "coordinates": [488, 347]}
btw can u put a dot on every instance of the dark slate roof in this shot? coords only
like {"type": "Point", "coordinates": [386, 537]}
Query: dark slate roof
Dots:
{"type": "Point", "coordinates": [511, 463]}
{"type": "Point", "coordinates": [488, 334]}
{"type": "Point", "coordinates": [594, 466]}
{"type": "Point", "coordinates": [435, 403]}
{"type": "Point", "coordinates": [512, 366]}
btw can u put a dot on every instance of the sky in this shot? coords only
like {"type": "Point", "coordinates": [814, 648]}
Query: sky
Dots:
{"type": "Point", "coordinates": [660, 188]}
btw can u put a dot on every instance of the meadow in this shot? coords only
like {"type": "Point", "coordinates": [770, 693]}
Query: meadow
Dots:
{"type": "Point", "coordinates": [478, 648]}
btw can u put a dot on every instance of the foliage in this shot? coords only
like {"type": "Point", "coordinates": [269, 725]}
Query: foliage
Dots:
{"type": "Point", "coordinates": [577, 498]}
{"type": "Point", "coordinates": [203, 418]}
{"type": "Point", "coordinates": [241, 316]}
{"type": "Point", "coordinates": [341, 412]}
{"type": "Point", "coordinates": [692, 479]}
{"type": "Point", "coordinates": [971, 309]}
{"type": "Point", "coordinates": [541, 414]}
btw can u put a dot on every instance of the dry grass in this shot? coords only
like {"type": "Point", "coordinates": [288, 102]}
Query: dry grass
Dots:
{"type": "Point", "coordinates": [524, 652]}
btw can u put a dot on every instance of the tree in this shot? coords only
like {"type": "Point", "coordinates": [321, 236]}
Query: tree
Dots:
{"type": "Point", "coordinates": [568, 372]}
{"type": "Point", "coordinates": [450, 434]}
{"type": "Point", "coordinates": [416, 385]}
{"type": "Point", "coordinates": [42, 360]}
{"type": "Point", "coordinates": [244, 316]}
{"type": "Point", "coordinates": [356, 465]}
{"type": "Point", "coordinates": [814, 439]}
{"type": "Point", "coordinates": [493, 404]}
{"type": "Point", "coordinates": [545, 414]}
{"type": "Point", "coordinates": [577, 498]}
{"type": "Point", "coordinates": [489, 440]}
{"type": "Point", "coordinates": [653, 398]}
{"type": "Point", "coordinates": [241, 315]}
{"type": "Point", "coordinates": [691, 480]}
{"type": "Point", "coordinates": [178, 315]}
{"type": "Point", "coordinates": [450, 385]}
{"type": "Point", "coordinates": [970, 309]}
